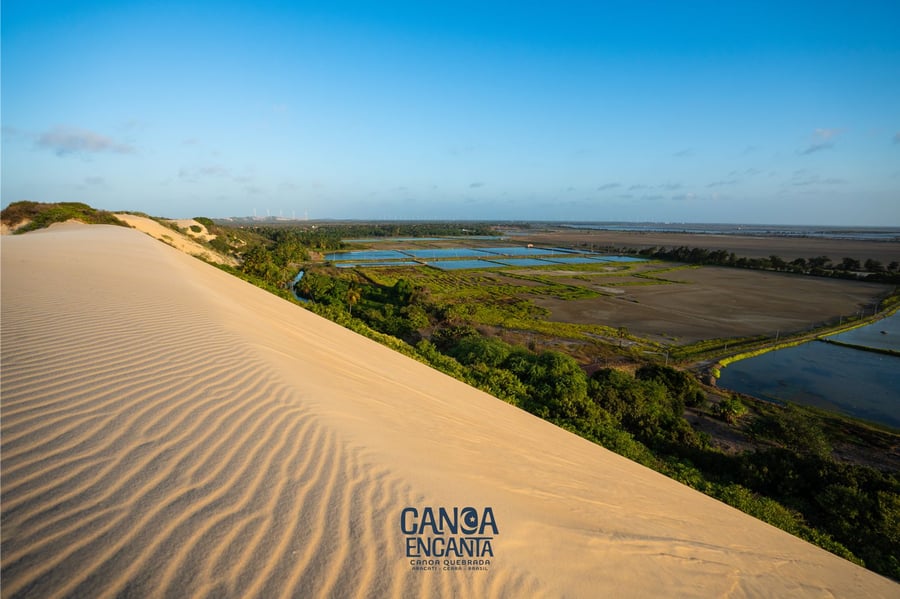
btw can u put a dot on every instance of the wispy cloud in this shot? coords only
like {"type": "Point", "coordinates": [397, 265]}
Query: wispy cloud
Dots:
{"type": "Point", "coordinates": [897, 137]}
{"type": "Point", "coordinates": [70, 140]}
{"type": "Point", "coordinates": [11, 132]}
{"type": "Point", "coordinates": [817, 147]}
{"type": "Point", "coordinates": [607, 186]}
{"type": "Point", "coordinates": [476, 185]}
{"type": "Point", "coordinates": [92, 183]}
{"type": "Point", "coordinates": [827, 133]}
{"type": "Point", "coordinates": [685, 153]}
{"type": "Point", "coordinates": [662, 186]}
{"type": "Point", "coordinates": [683, 197]}
{"type": "Point", "coordinates": [214, 170]}
{"type": "Point", "coordinates": [802, 178]}
{"type": "Point", "coordinates": [822, 139]}
{"type": "Point", "coordinates": [723, 183]}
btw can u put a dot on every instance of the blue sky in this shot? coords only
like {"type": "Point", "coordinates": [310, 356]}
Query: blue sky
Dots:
{"type": "Point", "coordinates": [756, 112]}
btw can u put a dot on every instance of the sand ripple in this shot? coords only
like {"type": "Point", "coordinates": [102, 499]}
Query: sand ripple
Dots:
{"type": "Point", "coordinates": [169, 431]}
{"type": "Point", "coordinates": [148, 451]}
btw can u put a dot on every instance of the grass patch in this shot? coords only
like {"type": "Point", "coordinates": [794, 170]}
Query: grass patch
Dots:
{"type": "Point", "coordinates": [43, 215]}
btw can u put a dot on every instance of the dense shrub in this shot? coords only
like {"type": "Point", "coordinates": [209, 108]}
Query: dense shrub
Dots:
{"type": "Point", "coordinates": [730, 409]}
{"type": "Point", "coordinates": [43, 215]}
{"type": "Point", "coordinates": [792, 428]}
{"type": "Point", "coordinates": [682, 385]}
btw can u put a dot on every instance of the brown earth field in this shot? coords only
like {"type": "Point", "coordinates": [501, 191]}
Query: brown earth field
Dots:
{"type": "Point", "coordinates": [717, 302]}
{"type": "Point", "coordinates": [787, 248]}
{"type": "Point", "coordinates": [701, 302]}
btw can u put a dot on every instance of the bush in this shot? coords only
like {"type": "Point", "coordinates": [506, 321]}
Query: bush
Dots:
{"type": "Point", "coordinates": [557, 386]}
{"type": "Point", "coordinates": [730, 410]}
{"type": "Point", "coordinates": [43, 215]}
{"type": "Point", "coordinates": [206, 222]}
{"type": "Point", "coordinates": [681, 385]}
{"type": "Point", "coordinates": [794, 429]}
{"type": "Point", "coordinates": [481, 350]}
{"type": "Point", "coordinates": [644, 407]}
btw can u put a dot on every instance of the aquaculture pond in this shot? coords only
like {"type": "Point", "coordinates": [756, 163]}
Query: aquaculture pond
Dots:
{"type": "Point", "coordinates": [459, 258]}
{"type": "Point", "coordinates": [857, 382]}
{"type": "Point", "coordinates": [882, 334]}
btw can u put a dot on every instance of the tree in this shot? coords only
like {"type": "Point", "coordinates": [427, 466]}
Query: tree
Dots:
{"type": "Point", "coordinates": [874, 265]}
{"type": "Point", "coordinates": [481, 350]}
{"type": "Point", "coordinates": [799, 265]}
{"type": "Point", "coordinates": [794, 429]}
{"type": "Point", "coordinates": [681, 385]}
{"type": "Point", "coordinates": [558, 386]}
{"type": "Point", "coordinates": [819, 262]}
{"type": "Point", "coordinates": [447, 337]}
{"type": "Point", "coordinates": [353, 296]}
{"type": "Point", "coordinates": [403, 291]}
{"type": "Point", "coordinates": [850, 264]}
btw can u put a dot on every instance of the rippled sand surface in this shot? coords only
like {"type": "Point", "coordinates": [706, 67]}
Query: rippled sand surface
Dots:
{"type": "Point", "coordinates": [171, 431]}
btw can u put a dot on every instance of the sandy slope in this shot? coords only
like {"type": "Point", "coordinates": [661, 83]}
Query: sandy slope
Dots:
{"type": "Point", "coordinates": [168, 430]}
{"type": "Point", "coordinates": [184, 242]}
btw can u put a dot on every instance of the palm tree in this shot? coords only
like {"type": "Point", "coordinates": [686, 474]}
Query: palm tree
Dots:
{"type": "Point", "coordinates": [352, 298]}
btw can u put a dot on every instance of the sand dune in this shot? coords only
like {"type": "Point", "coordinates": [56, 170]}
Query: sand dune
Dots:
{"type": "Point", "coordinates": [186, 242]}
{"type": "Point", "coordinates": [168, 430]}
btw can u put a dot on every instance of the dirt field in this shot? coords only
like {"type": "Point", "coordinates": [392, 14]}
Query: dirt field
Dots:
{"type": "Point", "coordinates": [713, 302]}
{"type": "Point", "coordinates": [787, 248]}
{"type": "Point", "coordinates": [687, 305]}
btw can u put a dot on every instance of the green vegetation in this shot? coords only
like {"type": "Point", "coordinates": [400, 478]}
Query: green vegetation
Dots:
{"type": "Point", "coordinates": [730, 409]}
{"type": "Point", "coordinates": [822, 266]}
{"type": "Point", "coordinates": [877, 350]}
{"type": "Point", "coordinates": [351, 230]}
{"type": "Point", "coordinates": [850, 510]}
{"type": "Point", "coordinates": [759, 352]}
{"type": "Point", "coordinates": [42, 215]}
{"type": "Point", "coordinates": [453, 321]}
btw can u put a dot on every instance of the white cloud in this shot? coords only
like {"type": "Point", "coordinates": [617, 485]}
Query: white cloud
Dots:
{"type": "Point", "coordinates": [70, 140]}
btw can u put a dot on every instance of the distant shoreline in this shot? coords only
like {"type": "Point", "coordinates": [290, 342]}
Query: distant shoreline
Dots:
{"type": "Point", "coordinates": [751, 246]}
